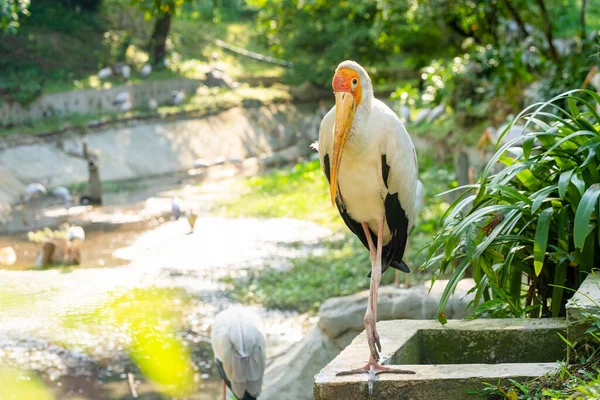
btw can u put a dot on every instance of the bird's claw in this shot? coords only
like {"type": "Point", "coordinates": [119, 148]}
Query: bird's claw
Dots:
{"type": "Point", "coordinates": [376, 338]}
{"type": "Point", "coordinates": [373, 369]}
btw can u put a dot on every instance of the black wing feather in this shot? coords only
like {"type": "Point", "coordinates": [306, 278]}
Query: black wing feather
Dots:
{"type": "Point", "coordinates": [395, 216]}
{"type": "Point", "coordinates": [247, 396]}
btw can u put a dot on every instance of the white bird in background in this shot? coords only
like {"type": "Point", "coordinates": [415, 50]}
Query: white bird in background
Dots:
{"type": "Point", "coordinates": [176, 208]}
{"type": "Point", "coordinates": [34, 190]}
{"type": "Point", "coordinates": [436, 112]}
{"type": "Point", "coordinates": [104, 73]}
{"type": "Point", "coordinates": [126, 71]}
{"type": "Point", "coordinates": [123, 101]}
{"type": "Point", "coordinates": [126, 106]}
{"type": "Point", "coordinates": [178, 96]}
{"type": "Point", "coordinates": [404, 112]}
{"type": "Point", "coordinates": [191, 217]}
{"type": "Point", "coordinates": [75, 238]}
{"type": "Point", "coordinates": [152, 104]}
{"type": "Point", "coordinates": [422, 116]}
{"type": "Point", "coordinates": [63, 193]}
{"type": "Point", "coordinates": [8, 256]}
{"type": "Point", "coordinates": [240, 348]}
{"type": "Point", "coordinates": [593, 78]}
{"type": "Point", "coordinates": [371, 165]}
{"type": "Point", "coordinates": [146, 70]}
{"type": "Point", "coordinates": [75, 232]}
{"type": "Point", "coordinates": [121, 98]}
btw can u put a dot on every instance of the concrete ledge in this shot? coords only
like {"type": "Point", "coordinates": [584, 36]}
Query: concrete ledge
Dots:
{"type": "Point", "coordinates": [583, 303]}
{"type": "Point", "coordinates": [480, 351]}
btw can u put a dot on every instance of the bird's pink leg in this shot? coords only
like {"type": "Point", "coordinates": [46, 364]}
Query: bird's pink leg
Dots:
{"type": "Point", "coordinates": [373, 367]}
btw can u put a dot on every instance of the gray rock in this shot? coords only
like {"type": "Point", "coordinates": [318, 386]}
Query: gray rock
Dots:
{"type": "Point", "coordinates": [291, 375]}
{"type": "Point", "coordinates": [217, 78]}
{"type": "Point", "coordinates": [341, 314]}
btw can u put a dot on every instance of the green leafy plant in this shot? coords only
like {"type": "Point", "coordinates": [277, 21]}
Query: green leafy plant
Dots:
{"type": "Point", "coordinates": [532, 229]}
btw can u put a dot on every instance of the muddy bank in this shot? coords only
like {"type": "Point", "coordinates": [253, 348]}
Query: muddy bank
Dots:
{"type": "Point", "coordinates": [139, 149]}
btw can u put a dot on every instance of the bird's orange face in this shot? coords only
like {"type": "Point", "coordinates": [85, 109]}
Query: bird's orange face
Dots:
{"type": "Point", "coordinates": [348, 93]}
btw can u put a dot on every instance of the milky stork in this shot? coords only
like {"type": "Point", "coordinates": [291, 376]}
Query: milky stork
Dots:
{"type": "Point", "coordinates": [240, 348]}
{"type": "Point", "coordinates": [371, 165]}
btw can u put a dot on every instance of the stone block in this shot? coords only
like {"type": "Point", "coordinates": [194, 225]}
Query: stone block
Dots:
{"type": "Point", "coordinates": [449, 361]}
{"type": "Point", "coordinates": [585, 301]}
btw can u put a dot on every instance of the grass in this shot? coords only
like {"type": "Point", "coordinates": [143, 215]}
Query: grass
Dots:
{"type": "Point", "coordinates": [205, 102]}
{"type": "Point", "coordinates": [301, 192]}
{"type": "Point", "coordinates": [341, 271]}
{"type": "Point", "coordinates": [298, 192]}
{"type": "Point", "coordinates": [578, 380]}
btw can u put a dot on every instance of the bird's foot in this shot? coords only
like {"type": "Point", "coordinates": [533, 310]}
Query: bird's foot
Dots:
{"type": "Point", "coordinates": [372, 337]}
{"type": "Point", "coordinates": [373, 368]}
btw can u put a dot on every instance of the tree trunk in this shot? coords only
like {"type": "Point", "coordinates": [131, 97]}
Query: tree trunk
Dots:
{"type": "Point", "coordinates": [547, 29]}
{"type": "Point", "coordinates": [583, 7]}
{"type": "Point", "coordinates": [517, 17]}
{"type": "Point", "coordinates": [158, 40]}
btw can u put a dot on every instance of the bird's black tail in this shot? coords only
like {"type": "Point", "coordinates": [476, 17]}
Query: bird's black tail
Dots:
{"type": "Point", "coordinates": [400, 266]}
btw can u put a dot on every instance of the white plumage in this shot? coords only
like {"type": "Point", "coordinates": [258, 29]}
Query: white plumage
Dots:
{"type": "Point", "coordinates": [176, 208]}
{"type": "Point", "coordinates": [152, 104]}
{"type": "Point", "coordinates": [121, 98]}
{"type": "Point", "coordinates": [104, 73]}
{"type": "Point", "coordinates": [422, 116]}
{"type": "Point", "coordinates": [126, 71]}
{"type": "Point", "coordinates": [34, 190]}
{"type": "Point", "coordinates": [178, 96]}
{"type": "Point", "coordinates": [405, 113]}
{"type": "Point", "coordinates": [64, 194]}
{"type": "Point", "coordinates": [436, 113]}
{"type": "Point", "coordinates": [239, 344]}
{"type": "Point", "coordinates": [146, 70]}
{"type": "Point", "coordinates": [75, 232]}
{"type": "Point", "coordinates": [376, 131]}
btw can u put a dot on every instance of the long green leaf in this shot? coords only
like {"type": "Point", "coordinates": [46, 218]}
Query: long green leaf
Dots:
{"type": "Point", "coordinates": [586, 259]}
{"type": "Point", "coordinates": [563, 182]}
{"type": "Point", "coordinates": [573, 106]}
{"type": "Point", "coordinates": [579, 183]}
{"type": "Point", "coordinates": [541, 239]}
{"type": "Point", "coordinates": [457, 275]}
{"type": "Point", "coordinates": [540, 196]}
{"type": "Point", "coordinates": [584, 212]}
{"type": "Point", "coordinates": [560, 273]}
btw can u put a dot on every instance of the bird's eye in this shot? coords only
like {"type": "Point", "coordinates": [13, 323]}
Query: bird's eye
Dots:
{"type": "Point", "coordinates": [354, 82]}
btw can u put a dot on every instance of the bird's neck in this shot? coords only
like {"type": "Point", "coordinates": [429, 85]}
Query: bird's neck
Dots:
{"type": "Point", "coordinates": [359, 132]}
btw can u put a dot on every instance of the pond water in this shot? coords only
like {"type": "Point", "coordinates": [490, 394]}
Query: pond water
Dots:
{"type": "Point", "coordinates": [57, 323]}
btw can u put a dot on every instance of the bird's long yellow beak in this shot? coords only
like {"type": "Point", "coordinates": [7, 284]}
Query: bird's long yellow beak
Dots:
{"type": "Point", "coordinates": [345, 106]}
{"type": "Point", "coordinates": [589, 77]}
